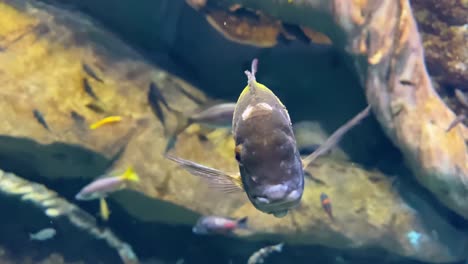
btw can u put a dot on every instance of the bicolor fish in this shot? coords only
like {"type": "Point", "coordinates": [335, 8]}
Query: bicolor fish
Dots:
{"type": "Point", "coordinates": [44, 234]}
{"type": "Point", "coordinates": [260, 255]}
{"type": "Point", "coordinates": [271, 171]}
{"type": "Point", "coordinates": [207, 225]}
{"type": "Point", "coordinates": [326, 205]}
{"type": "Point", "coordinates": [104, 185]}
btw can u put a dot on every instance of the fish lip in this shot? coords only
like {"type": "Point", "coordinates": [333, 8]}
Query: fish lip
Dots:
{"type": "Point", "coordinates": [289, 201]}
{"type": "Point", "coordinates": [277, 207]}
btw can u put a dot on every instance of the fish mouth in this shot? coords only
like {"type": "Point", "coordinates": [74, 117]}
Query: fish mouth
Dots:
{"type": "Point", "coordinates": [276, 201]}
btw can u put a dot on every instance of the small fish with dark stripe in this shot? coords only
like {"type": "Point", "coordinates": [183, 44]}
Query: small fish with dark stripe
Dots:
{"type": "Point", "coordinates": [326, 205]}
{"type": "Point", "coordinates": [154, 97]}
{"type": "Point", "coordinates": [91, 73]}
{"type": "Point", "coordinates": [89, 89]}
{"type": "Point", "coordinates": [157, 95]}
{"type": "Point", "coordinates": [40, 118]}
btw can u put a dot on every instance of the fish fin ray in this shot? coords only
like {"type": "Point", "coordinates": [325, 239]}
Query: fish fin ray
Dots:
{"type": "Point", "coordinates": [130, 175]}
{"type": "Point", "coordinates": [333, 140]}
{"type": "Point", "coordinates": [218, 179]}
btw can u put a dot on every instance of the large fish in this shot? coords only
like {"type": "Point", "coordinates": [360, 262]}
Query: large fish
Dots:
{"type": "Point", "coordinates": [269, 161]}
{"type": "Point", "coordinates": [271, 169]}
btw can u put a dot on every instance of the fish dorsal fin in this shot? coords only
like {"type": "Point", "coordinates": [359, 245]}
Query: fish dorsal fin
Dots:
{"type": "Point", "coordinates": [251, 80]}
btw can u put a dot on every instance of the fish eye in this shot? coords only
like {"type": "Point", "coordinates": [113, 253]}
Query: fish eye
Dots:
{"type": "Point", "coordinates": [237, 151]}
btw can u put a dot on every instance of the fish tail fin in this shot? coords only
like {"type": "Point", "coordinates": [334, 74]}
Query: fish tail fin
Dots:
{"type": "Point", "coordinates": [279, 247]}
{"type": "Point", "coordinates": [130, 175]}
{"type": "Point", "coordinates": [242, 223]}
{"type": "Point", "coordinates": [182, 122]}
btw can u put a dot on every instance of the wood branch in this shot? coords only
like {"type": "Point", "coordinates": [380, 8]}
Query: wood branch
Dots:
{"type": "Point", "coordinates": [383, 38]}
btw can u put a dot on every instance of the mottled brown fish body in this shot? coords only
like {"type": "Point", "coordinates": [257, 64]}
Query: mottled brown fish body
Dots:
{"type": "Point", "coordinates": [269, 161]}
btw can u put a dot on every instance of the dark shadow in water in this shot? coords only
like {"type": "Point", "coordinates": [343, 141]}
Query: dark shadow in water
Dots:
{"type": "Point", "coordinates": [20, 218]}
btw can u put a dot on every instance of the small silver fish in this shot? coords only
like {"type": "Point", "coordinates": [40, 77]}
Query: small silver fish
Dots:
{"type": "Point", "coordinates": [43, 234]}
{"type": "Point", "coordinates": [216, 116]}
{"type": "Point", "coordinates": [104, 185]}
{"type": "Point", "coordinates": [260, 255]}
{"type": "Point", "coordinates": [219, 115]}
{"type": "Point", "coordinates": [218, 225]}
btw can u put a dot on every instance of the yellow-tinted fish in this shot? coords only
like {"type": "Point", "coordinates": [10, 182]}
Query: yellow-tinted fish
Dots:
{"type": "Point", "coordinates": [104, 209]}
{"type": "Point", "coordinates": [106, 120]}
{"type": "Point", "coordinates": [107, 184]}
{"type": "Point", "coordinates": [271, 169]}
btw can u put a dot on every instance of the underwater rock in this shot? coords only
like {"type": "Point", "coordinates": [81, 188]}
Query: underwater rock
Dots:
{"type": "Point", "coordinates": [44, 49]}
{"type": "Point", "coordinates": [444, 28]}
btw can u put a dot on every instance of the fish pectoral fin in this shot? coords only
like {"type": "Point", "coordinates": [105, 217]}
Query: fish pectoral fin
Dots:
{"type": "Point", "coordinates": [227, 182]}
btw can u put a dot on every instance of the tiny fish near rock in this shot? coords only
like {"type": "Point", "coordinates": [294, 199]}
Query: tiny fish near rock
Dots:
{"type": "Point", "coordinates": [43, 234]}
{"type": "Point", "coordinates": [106, 184]}
{"type": "Point", "coordinates": [218, 225]}
{"type": "Point", "coordinates": [326, 205]}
